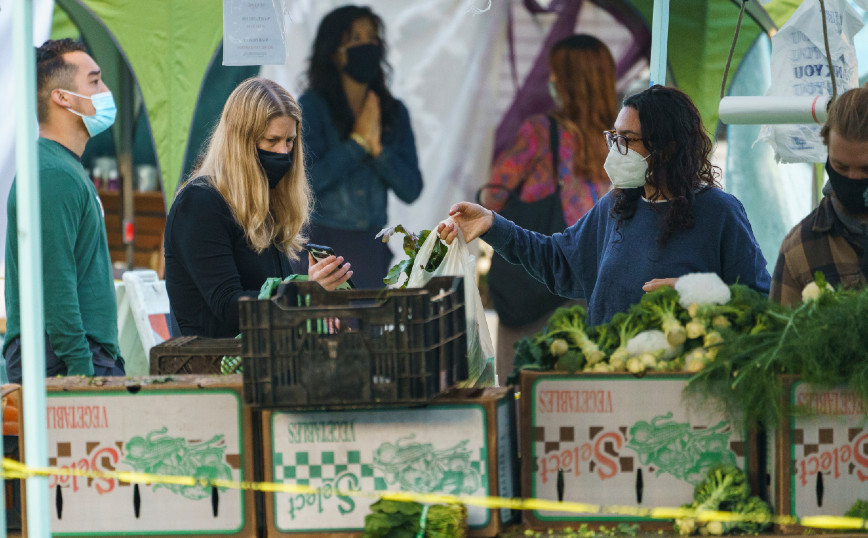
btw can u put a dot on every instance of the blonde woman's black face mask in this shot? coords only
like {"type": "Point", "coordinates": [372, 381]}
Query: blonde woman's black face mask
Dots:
{"type": "Point", "coordinates": [276, 165]}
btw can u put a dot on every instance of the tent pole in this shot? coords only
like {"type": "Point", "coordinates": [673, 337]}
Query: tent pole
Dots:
{"type": "Point", "coordinates": [125, 161]}
{"type": "Point", "coordinates": [30, 268]}
{"type": "Point", "coordinates": [659, 40]}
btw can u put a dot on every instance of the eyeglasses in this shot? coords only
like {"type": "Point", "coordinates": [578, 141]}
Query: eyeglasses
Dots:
{"type": "Point", "coordinates": [620, 141]}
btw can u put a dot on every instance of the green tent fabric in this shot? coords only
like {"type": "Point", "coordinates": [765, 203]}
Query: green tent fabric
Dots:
{"type": "Point", "coordinates": [219, 82]}
{"type": "Point", "coordinates": [700, 36]}
{"type": "Point", "coordinates": [169, 46]}
{"type": "Point", "coordinates": [781, 10]}
{"type": "Point", "coordinates": [62, 26]}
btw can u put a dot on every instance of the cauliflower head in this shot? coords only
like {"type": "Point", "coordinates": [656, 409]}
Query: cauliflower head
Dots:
{"type": "Point", "coordinates": [702, 289]}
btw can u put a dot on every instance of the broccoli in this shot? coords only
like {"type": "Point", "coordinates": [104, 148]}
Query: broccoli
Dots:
{"type": "Point", "coordinates": [661, 308]}
{"type": "Point", "coordinates": [685, 526]}
{"type": "Point", "coordinates": [625, 327]}
{"type": "Point", "coordinates": [757, 516]}
{"type": "Point", "coordinates": [570, 324]}
{"type": "Point", "coordinates": [565, 344]}
{"type": "Point", "coordinates": [725, 488]}
{"type": "Point", "coordinates": [531, 355]}
{"type": "Point", "coordinates": [859, 510]}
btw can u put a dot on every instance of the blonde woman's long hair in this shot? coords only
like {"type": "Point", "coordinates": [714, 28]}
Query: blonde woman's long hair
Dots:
{"type": "Point", "coordinates": [230, 164]}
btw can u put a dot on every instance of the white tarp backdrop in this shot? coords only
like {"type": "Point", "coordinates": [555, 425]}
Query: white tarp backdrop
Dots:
{"type": "Point", "coordinates": [450, 67]}
{"type": "Point", "coordinates": [443, 76]}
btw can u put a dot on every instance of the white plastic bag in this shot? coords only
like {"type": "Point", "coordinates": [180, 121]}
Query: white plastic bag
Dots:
{"type": "Point", "coordinates": [459, 262]}
{"type": "Point", "coordinates": [800, 68]}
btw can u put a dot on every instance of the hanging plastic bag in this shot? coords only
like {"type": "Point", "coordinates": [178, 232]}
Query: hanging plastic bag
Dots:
{"type": "Point", "coordinates": [459, 262]}
{"type": "Point", "coordinates": [800, 68]}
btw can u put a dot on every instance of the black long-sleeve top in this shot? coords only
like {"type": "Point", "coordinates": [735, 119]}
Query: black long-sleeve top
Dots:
{"type": "Point", "coordinates": [209, 265]}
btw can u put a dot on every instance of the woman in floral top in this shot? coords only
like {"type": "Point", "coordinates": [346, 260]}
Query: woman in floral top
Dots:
{"type": "Point", "coordinates": [582, 84]}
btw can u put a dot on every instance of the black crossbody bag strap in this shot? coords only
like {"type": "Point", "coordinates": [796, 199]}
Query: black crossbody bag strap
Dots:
{"type": "Point", "coordinates": [554, 146]}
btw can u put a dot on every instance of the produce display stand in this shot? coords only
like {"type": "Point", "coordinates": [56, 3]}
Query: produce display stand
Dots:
{"type": "Point", "coordinates": [463, 443]}
{"type": "Point", "coordinates": [13, 424]}
{"type": "Point", "coordinates": [180, 425]}
{"type": "Point", "coordinates": [192, 355]}
{"type": "Point", "coordinates": [619, 440]}
{"type": "Point", "coordinates": [820, 452]}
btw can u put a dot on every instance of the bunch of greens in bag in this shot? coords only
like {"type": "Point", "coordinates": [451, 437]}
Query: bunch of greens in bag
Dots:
{"type": "Point", "coordinates": [411, 245]}
{"type": "Point", "coordinates": [394, 519]}
{"type": "Point", "coordinates": [233, 364]}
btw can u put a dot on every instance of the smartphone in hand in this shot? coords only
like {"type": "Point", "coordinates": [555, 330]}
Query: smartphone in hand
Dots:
{"type": "Point", "coordinates": [321, 252]}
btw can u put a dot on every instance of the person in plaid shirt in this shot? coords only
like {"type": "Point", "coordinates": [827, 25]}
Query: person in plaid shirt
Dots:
{"type": "Point", "coordinates": [833, 238]}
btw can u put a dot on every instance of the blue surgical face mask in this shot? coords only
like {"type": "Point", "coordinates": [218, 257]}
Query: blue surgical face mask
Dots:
{"type": "Point", "coordinates": [106, 111]}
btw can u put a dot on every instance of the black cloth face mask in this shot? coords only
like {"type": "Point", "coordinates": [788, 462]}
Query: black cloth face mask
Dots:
{"type": "Point", "coordinates": [852, 193]}
{"type": "Point", "coordinates": [276, 165]}
{"type": "Point", "coordinates": [363, 63]}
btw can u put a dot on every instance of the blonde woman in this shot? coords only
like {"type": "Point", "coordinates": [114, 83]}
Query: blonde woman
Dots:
{"type": "Point", "coordinates": [240, 220]}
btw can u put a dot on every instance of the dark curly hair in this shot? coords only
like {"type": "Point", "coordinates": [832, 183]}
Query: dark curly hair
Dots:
{"type": "Point", "coordinates": [53, 71]}
{"type": "Point", "coordinates": [324, 77]}
{"type": "Point", "coordinates": [679, 164]}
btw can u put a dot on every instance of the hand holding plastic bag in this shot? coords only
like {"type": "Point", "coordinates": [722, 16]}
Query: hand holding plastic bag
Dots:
{"type": "Point", "coordinates": [459, 262]}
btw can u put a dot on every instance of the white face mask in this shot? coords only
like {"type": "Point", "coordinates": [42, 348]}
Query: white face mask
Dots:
{"type": "Point", "coordinates": [553, 91]}
{"type": "Point", "coordinates": [625, 171]}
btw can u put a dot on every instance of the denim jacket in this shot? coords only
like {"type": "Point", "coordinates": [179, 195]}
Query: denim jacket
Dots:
{"type": "Point", "coordinates": [350, 187]}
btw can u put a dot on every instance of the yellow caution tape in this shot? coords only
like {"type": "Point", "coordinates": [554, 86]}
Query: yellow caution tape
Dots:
{"type": "Point", "coordinates": [14, 469]}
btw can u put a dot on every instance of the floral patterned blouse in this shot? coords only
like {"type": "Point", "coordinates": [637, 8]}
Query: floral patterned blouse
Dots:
{"type": "Point", "coordinates": [530, 159]}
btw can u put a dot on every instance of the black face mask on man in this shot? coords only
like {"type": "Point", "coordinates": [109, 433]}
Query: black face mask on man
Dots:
{"type": "Point", "coordinates": [363, 62]}
{"type": "Point", "coordinates": [852, 193]}
{"type": "Point", "coordinates": [276, 165]}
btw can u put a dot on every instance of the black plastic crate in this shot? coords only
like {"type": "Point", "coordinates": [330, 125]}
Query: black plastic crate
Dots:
{"type": "Point", "coordinates": [355, 348]}
{"type": "Point", "coordinates": [192, 355]}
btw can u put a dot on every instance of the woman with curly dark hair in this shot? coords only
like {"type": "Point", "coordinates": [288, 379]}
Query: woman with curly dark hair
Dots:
{"type": "Point", "coordinates": [359, 141]}
{"type": "Point", "coordinates": [665, 217]}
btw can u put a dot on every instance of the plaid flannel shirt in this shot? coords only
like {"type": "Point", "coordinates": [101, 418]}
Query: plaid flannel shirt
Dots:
{"type": "Point", "coordinates": [819, 243]}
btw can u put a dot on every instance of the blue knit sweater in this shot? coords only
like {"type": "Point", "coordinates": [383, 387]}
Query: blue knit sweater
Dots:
{"type": "Point", "coordinates": [350, 187]}
{"type": "Point", "coordinates": [591, 259]}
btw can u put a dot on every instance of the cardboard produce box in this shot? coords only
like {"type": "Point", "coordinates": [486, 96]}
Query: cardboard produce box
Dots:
{"type": "Point", "coordinates": [12, 425]}
{"type": "Point", "coordinates": [181, 425]}
{"type": "Point", "coordinates": [821, 452]}
{"type": "Point", "coordinates": [462, 443]}
{"type": "Point", "coordinates": [617, 440]}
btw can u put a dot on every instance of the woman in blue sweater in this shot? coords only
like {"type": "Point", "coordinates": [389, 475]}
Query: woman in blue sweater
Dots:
{"type": "Point", "coordinates": [359, 141]}
{"type": "Point", "coordinates": [666, 216]}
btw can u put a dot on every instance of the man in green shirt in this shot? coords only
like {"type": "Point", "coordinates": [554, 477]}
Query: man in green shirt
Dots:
{"type": "Point", "coordinates": [79, 295]}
